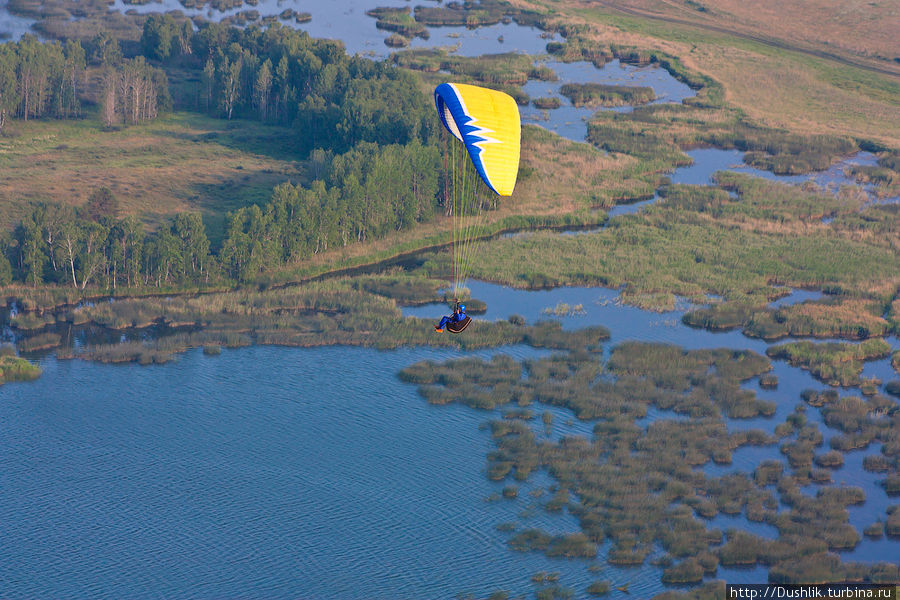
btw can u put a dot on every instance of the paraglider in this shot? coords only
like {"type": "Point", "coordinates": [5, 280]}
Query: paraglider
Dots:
{"type": "Point", "coordinates": [486, 139]}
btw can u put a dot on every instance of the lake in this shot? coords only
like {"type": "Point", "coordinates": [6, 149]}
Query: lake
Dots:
{"type": "Point", "coordinates": [277, 471]}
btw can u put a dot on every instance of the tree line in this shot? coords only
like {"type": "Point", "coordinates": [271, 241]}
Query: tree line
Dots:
{"type": "Point", "coordinates": [366, 193]}
{"type": "Point", "coordinates": [283, 76]}
{"type": "Point", "coordinates": [40, 80]}
{"type": "Point", "coordinates": [87, 247]}
{"type": "Point", "coordinates": [133, 93]}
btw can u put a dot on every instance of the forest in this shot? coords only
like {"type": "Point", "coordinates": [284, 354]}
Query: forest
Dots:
{"type": "Point", "coordinates": [364, 127]}
{"type": "Point", "coordinates": [49, 80]}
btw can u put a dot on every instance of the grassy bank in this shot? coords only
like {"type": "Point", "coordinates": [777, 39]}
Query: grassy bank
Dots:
{"type": "Point", "coordinates": [506, 71]}
{"type": "Point", "coordinates": [351, 311]}
{"type": "Point", "coordinates": [699, 241]}
{"type": "Point", "coordinates": [13, 368]}
{"type": "Point", "coordinates": [398, 20]}
{"type": "Point", "coordinates": [597, 94]}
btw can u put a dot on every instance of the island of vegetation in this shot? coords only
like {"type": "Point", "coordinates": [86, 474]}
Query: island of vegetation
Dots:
{"type": "Point", "coordinates": [547, 103]}
{"type": "Point", "coordinates": [598, 94]}
{"type": "Point", "coordinates": [14, 368]}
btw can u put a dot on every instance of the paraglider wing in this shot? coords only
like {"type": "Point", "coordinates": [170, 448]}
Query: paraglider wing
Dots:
{"type": "Point", "coordinates": [487, 123]}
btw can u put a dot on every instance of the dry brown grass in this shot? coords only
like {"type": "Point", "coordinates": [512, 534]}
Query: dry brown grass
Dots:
{"type": "Point", "coordinates": [169, 166]}
{"type": "Point", "coordinates": [857, 311]}
{"type": "Point", "coordinates": [568, 176]}
{"type": "Point", "coordinates": [789, 95]}
{"type": "Point", "coordinates": [860, 27]}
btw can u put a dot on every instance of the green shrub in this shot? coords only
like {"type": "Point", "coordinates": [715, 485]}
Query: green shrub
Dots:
{"type": "Point", "coordinates": [13, 368]}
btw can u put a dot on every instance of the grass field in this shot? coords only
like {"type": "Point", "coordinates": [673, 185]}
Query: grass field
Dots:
{"type": "Point", "coordinates": [183, 161]}
{"type": "Point", "coordinates": [858, 29]}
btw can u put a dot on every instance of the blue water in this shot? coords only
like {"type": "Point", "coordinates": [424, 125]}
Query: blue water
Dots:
{"type": "Point", "coordinates": [265, 472]}
{"type": "Point", "coordinates": [709, 160]}
{"type": "Point", "coordinates": [282, 472]}
{"type": "Point", "coordinates": [796, 297]}
{"type": "Point", "coordinates": [462, 41]}
{"type": "Point", "coordinates": [570, 121]}
{"type": "Point", "coordinates": [345, 20]}
{"type": "Point", "coordinates": [13, 27]}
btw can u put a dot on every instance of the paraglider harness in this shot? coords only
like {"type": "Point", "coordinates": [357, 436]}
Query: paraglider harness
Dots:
{"type": "Point", "coordinates": [458, 326]}
{"type": "Point", "coordinates": [455, 326]}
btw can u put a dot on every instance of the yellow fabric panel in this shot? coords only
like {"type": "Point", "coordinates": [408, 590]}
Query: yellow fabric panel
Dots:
{"type": "Point", "coordinates": [496, 116]}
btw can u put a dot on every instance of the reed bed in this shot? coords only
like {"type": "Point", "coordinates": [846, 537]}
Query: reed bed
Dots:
{"type": "Point", "coordinates": [837, 364]}
{"type": "Point", "coordinates": [840, 317]}
{"type": "Point", "coordinates": [639, 487]}
{"type": "Point", "coordinates": [697, 241]}
{"type": "Point", "coordinates": [14, 368]}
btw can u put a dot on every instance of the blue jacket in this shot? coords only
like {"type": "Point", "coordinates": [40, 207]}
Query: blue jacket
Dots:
{"type": "Point", "coordinates": [454, 318]}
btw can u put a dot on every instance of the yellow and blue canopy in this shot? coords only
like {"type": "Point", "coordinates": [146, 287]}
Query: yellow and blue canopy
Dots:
{"type": "Point", "coordinates": [487, 123]}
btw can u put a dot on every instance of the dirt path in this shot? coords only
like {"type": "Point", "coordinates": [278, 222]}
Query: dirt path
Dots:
{"type": "Point", "coordinates": [755, 38]}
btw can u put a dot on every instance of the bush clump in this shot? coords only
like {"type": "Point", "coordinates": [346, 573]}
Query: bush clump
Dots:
{"type": "Point", "coordinates": [13, 368]}
{"type": "Point", "coordinates": [598, 588]}
{"type": "Point", "coordinates": [530, 540]}
{"type": "Point", "coordinates": [834, 363]}
{"type": "Point", "coordinates": [830, 460]}
{"type": "Point", "coordinates": [573, 545]}
{"type": "Point", "coordinates": [875, 530]}
{"type": "Point", "coordinates": [547, 103]}
{"type": "Point", "coordinates": [768, 381]}
{"type": "Point", "coordinates": [41, 341]}
{"type": "Point", "coordinates": [687, 571]}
